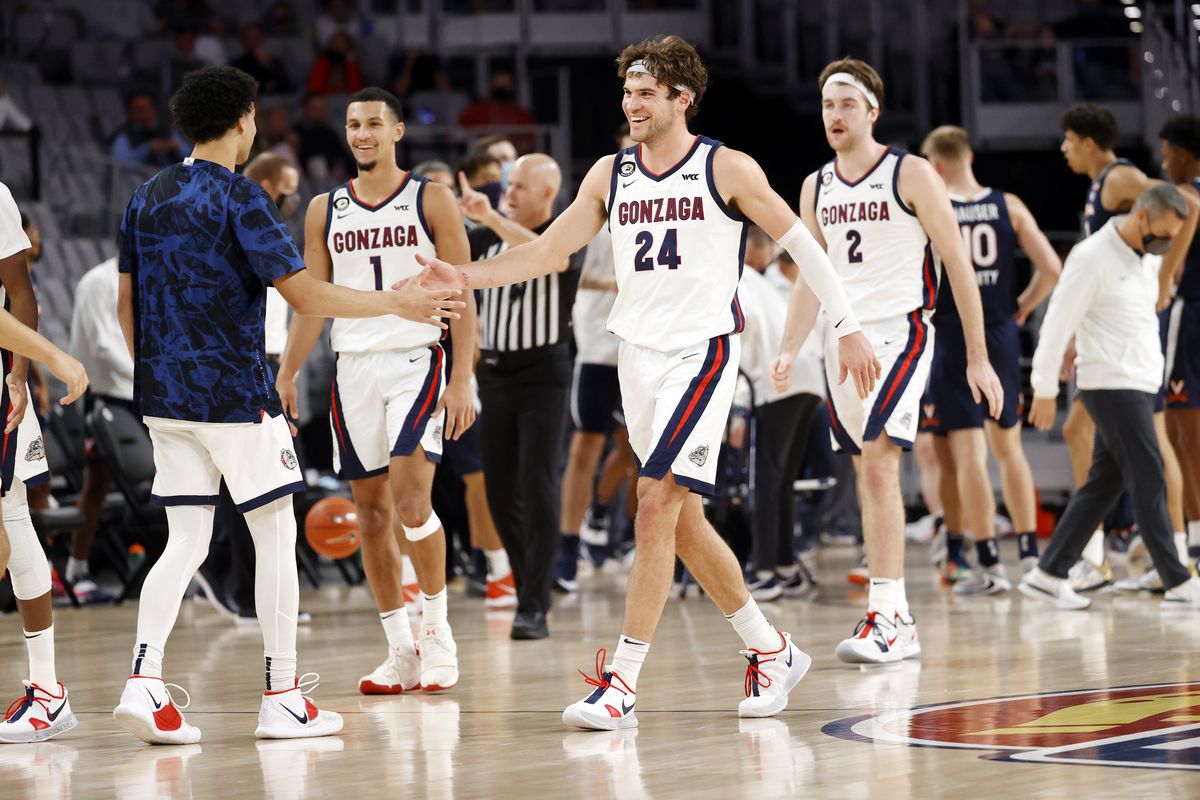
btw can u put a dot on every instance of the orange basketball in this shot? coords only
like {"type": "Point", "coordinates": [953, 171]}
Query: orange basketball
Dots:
{"type": "Point", "coordinates": [331, 527]}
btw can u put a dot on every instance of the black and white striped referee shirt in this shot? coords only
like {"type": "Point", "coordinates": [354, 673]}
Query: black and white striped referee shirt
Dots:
{"type": "Point", "coordinates": [528, 315]}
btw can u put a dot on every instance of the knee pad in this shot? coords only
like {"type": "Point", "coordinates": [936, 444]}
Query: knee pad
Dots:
{"type": "Point", "coordinates": [27, 563]}
{"type": "Point", "coordinates": [420, 532]}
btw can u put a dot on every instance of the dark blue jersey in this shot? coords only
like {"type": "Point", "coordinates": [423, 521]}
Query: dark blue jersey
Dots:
{"type": "Point", "coordinates": [991, 242]}
{"type": "Point", "coordinates": [1189, 284]}
{"type": "Point", "coordinates": [202, 244]}
{"type": "Point", "coordinates": [1094, 212]}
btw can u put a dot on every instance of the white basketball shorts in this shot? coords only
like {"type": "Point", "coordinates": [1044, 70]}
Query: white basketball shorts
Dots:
{"type": "Point", "coordinates": [904, 346]}
{"type": "Point", "coordinates": [190, 458]}
{"type": "Point", "coordinates": [383, 407]}
{"type": "Point", "coordinates": [677, 406]}
{"type": "Point", "coordinates": [25, 452]}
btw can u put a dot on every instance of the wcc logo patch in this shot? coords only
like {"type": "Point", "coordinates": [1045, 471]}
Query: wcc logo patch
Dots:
{"type": "Point", "coordinates": [36, 451]}
{"type": "Point", "coordinates": [287, 458]}
{"type": "Point", "coordinates": [699, 455]}
{"type": "Point", "coordinates": [1156, 726]}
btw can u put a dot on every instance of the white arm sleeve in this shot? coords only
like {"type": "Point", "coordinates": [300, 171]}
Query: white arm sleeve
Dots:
{"type": "Point", "coordinates": [822, 278]}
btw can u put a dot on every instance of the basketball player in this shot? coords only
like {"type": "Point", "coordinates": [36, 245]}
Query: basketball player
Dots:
{"type": "Point", "coordinates": [390, 392]}
{"type": "Point", "coordinates": [880, 213]}
{"type": "Point", "coordinates": [44, 711]}
{"type": "Point", "coordinates": [677, 205]}
{"type": "Point", "coordinates": [198, 246]}
{"type": "Point", "coordinates": [993, 224]}
{"type": "Point", "coordinates": [1180, 150]}
{"type": "Point", "coordinates": [1089, 136]}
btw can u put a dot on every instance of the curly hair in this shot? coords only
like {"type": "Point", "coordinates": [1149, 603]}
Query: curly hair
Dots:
{"type": "Point", "coordinates": [1182, 132]}
{"type": "Point", "coordinates": [1090, 121]}
{"type": "Point", "coordinates": [211, 101]}
{"type": "Point", "coordinates": [673, 61]}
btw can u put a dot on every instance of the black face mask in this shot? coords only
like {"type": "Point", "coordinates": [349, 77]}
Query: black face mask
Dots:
{"type": "Point", "coordinates": [494, 192]}
{"type": "Point", "coordinates": [287, 204]}
{"type": "Point", "coordinates": [1155, 245]}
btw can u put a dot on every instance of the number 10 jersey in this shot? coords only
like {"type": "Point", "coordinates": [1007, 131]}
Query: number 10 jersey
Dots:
{"type": "Point", "coordinates": [678, 252]}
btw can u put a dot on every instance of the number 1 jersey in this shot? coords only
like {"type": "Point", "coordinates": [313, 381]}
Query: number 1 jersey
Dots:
{"type": "Point", "coordinates": [677, 251]}
{"type": "Point", "coordinates": [373, 247]}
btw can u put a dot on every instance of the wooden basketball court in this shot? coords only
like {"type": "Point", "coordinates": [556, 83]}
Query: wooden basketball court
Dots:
{"type": "Point", "coordinates": [849, 732]}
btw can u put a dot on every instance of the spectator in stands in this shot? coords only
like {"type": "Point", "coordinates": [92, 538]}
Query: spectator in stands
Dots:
{"type": "Point", "coordinates": [484, 174]}
{"type": "Point", "coordinates": [183, 57]}
{"type": "Point", "coordinates": [275, 135]}
{"type": "Point", "coordinates": [280, 20]}
{"type": "Point", "coordinates": [339, 18]}
{"type": "Point", "coordinates": [97, 341]}
{"type": "Point", "coordinates": [499, 110]}
{"type": "Point", "coordinates": [336, 70]}
{"type": "Point", "coordinates": [417, 70]}
{"type": "Point", "coordinates": [503, 149]}
{"type": "Point", "coordinates": [12, 118]}
{"type": "Point", "coordinates": [143, 139]}
{"type": "Point", "coordinates": [438, 172]}
{"type": "Point", "coordinates": [175, 15]}
{"type": "Point", "coordinates": [258, 62]}
{"type": "Point", "coordinates": [322, 151]}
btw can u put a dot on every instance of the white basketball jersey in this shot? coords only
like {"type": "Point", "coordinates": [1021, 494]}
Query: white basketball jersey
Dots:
{"type": "Point", "coordinates": [677, 252]}
{"type": "Point", "coordinates": [875, 241]}
{"type": "Point", "coordinates": [373, 247]}
{"type": "Point", "coordinates": [594, 343]}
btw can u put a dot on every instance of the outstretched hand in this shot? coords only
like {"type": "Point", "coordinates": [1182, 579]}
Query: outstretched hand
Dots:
{"type": "Point", "coordinates": [426, 296]}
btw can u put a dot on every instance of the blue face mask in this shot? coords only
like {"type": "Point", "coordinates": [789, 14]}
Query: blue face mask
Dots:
{"type": "Point", "coordinates": [494, 192]}
{"type": "Point", "coordinates": [505, 171]}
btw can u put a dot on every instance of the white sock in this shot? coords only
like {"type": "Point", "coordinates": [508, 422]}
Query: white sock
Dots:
{"type": "Point", "coordinates": [76, 568]}
{"type": "Point", "coordinates": [399, 633]}
{"type": "Point", "coordinates": [901, 600]}
{"type": "Point", "coordinates": [498, 567]}
{"type": "Point", "coordinates": [190, 529]}
{"type": "Point", "coordinates": [280, 670]}
{"type": "Point", "coordinates": [435, 608]}
{"type": "Point", "coordinates": [147, 660]}
{"type": "Point", "coordinates": [882, 598]}
{"type": "Point", "coordinates": [788, 571]}
{"type": "Point", "coordinates": [1093, 553]}
{"type": "Point", "coordinates": [628, 659]}
{"type": "Point", "coordinates": [408, 573]}
{"type": "Point", "coordinates": [276, 584]}
{"type": "Point", "coordinates": [752, 626]}
{"type": "Point", "coordinates": [1193, 533]}
{"type": "Point", "coordinates": [1181, 547]}
{"type": "Point", "coordinates": [41, 659]}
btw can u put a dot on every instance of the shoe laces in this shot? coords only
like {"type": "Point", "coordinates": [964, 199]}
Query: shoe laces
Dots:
{"type": "Point", "coordinates": [754, 662]}
{"type": "Point", "coordinates": [308, 683]}
{"type": "Point", "coordinates": [24, 700]}
{"type": "Point", "coordinates": [432, 634]}
{"type": "Point", "coordinates": [167, 687]}
{"type": "Point", "coordinates": [599, 681]}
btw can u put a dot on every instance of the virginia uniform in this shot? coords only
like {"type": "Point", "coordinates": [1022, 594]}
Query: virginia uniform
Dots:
{"type": "Point", "coordinates": [390, 371]}
{"type": "Point", "coordinates": [677, 253]}
{"type": "Point", "coordinates": [1183, 338]}
{"type": "Point", "coordinates": [990, 241]}
{"type": "Point", "coordinates": [890, 275]}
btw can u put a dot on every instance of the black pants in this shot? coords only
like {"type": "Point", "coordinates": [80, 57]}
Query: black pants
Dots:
{"type": "Point", "coordinates": [524, 397]}
{"type": "Point", "coordinates": [1125, 456]}
{"type": "Point", "coordinates": [780, 439]}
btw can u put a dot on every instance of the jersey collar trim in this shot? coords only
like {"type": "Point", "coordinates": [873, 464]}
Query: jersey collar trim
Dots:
{"type": "Point", "coordinates": [388, 199]}
{"type": "Point", "coordinates": [838, 171]}
{"type": "Point", "coordinates": [655, 176]}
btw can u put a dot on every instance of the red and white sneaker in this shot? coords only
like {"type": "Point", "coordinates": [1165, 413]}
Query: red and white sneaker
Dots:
{"type": "Point", "coordinates": [439, 658]}
{"type": "Point", "coordinates": [290, 714]}
{"type": "Point", "coordinates": [875, 641]}
{"type": "Point", "coordinates": [501, 593]}
{"type": "Point", "coordinates": [609, 707]}
{"type": "Point", "coordinates": [400, 673]}
{"type": "Point", "coordinates": [37, 715]}
{"type": "Point", "coordinates": [908, 636]}
{"type": "Point", "coordinates": [148, 712]}
{"type": "Point", "coordinates": [770, 676]}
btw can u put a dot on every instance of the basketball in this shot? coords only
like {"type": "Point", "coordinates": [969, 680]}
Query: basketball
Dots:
{"type": "Point", "coordinates": [331, 527]}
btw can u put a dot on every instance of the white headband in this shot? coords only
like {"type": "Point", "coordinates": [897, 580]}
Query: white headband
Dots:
{"type": "Point", "coordinates": [640, 66]}
{"type": "Point", "coordinates": [850, 80]}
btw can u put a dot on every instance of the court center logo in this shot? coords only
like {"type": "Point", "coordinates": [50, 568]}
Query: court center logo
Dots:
{"type": "Point", "coordinates": [1154, 726]}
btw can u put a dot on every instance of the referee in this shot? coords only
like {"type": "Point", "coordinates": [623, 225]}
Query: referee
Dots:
{"type": "Point", "coordinates": [1106, 299]}
{"type": "Point", "coordinates": [524, 382]}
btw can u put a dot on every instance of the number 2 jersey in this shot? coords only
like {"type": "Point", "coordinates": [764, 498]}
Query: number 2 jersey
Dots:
{"type": "Point", "coordinates": [991, 243]}
{"type": "Point", "coordinates": [873, 238]}
{"type": "Point", "coordinates": [373, 247]}
{"type": "Point", "coordinates": [677, 251]}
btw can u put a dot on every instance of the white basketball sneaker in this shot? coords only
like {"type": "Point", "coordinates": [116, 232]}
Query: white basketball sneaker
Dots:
{"type": "Point", "coordinates": [401, 672]}
{"type": "Point", "coordinates": [1184, 595]}
{"type": "Point", "coordinates": [1148, 581]}
{"type": "Point", "coordinates": [290, 714]}
{"type": "Point", "coordinates": [1055, 591]}
{"type": "Point", "coordinates": [37, 715]}
{"type": "Point", "coordinates": [984, 580]}
{"type": "Point", "coordinates": [439, 658]}
{"type": "Point", "coordinates": [909, 644]}
{"type": "Point", "coordinates": [609, 707]}
{"type": "Point", "coordinates": [875, 641]}
{"type": "Point", "coordinates": [770, 675]}
{"type": "Point", "coordinates": [148, 712]}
